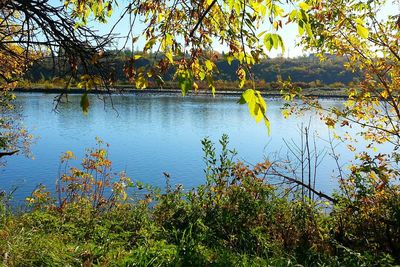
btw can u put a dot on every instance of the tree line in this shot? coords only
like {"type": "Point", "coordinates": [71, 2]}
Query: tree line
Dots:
{"type": "Point", "coordinates": [307, 71]}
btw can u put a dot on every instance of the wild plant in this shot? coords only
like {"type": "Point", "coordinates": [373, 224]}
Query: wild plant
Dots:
{"type": "Point", "coordinates": [94, 182]}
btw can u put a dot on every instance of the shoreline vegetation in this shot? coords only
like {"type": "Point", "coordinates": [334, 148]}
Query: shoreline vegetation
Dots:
{"type": "Point", "coordinates": [319, 92]}
{"type": "Point", "coordinates": [328, 79]}
{"type": "Point", "coordinates": [315, 78]}
{"type": "Point", "coordinates": [237, 217]}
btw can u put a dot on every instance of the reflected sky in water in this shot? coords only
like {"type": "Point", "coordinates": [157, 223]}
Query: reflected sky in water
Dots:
{"type": "Point", "coordinates": [152, 134]}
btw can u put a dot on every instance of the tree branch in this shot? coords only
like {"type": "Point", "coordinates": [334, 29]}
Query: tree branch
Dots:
{"type": "Point", "coordinates": [2, 154]}
{"type": "Point", "coordinates": [202, 18]}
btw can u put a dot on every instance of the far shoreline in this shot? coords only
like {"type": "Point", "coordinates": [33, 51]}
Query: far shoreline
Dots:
{"type": "Point", "coordinates": [322, 92]}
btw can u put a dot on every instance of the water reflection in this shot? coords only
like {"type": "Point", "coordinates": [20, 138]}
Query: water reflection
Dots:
{"type": "Point", "coordinates": [150, 134]}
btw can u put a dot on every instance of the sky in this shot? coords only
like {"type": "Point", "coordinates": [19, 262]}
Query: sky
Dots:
{"type": "Point", "coordinates": [289, 33]}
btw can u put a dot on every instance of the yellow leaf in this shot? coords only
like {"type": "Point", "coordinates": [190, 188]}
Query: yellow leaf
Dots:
{"type": "Point", "coordinates": [362, 31]}
{"type": "Point", "coordinates": [384, 94]}
{"type": "Point", "coordinates": [169, 56]}
{"type": "Point", "coordinates": [209, 65]}
{"type": "Point", "coordinates": [304, 6]}
{"type": "Point", "coordinates": [141, 81]}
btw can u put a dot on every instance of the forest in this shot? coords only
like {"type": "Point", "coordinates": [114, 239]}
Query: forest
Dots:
{"type": "Point", "coordinates": [307, 69]}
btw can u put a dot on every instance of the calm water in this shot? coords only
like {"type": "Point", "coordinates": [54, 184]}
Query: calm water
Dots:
{"type": "Point", "coordinates": [152, 134]}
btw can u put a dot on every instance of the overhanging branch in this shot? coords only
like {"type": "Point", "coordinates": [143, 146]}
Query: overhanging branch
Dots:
{"type": "Point", "coordinates": [202, 18]}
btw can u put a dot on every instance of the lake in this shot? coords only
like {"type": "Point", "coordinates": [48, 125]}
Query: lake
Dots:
{"type": "Point", "coordinates": [152, 134]}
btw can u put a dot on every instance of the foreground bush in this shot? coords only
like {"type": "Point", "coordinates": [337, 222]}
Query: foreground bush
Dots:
{"type": "Point", "coordinates": [236, 218]}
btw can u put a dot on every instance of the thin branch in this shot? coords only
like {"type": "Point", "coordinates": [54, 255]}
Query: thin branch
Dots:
{"type": "Point", "coordinates": [202, 18]}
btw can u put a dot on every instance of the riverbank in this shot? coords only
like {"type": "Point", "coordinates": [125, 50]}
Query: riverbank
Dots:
{"type": "Point", "coordinates": [319, 92]}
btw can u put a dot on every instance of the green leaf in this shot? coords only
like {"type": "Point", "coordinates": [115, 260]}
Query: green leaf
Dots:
{"type": "Point", "coordinates": [256, 105]}
{"type": "Point", "coordinates": [308, 30]}
{"type": "Point", "coordinates": [229, 59]}
{"type": "Point", "coordinates": [268, 41]}
{"type": "Point", "coordinates": [281, 43]}
{"type": "Point", "coordinates": [303, 16]}
{"type": "Point", "coordinates": [275, 41]}
{"type": "Point", "coordinates": [185, 81]}
{"type": "Point", "coordinates": [301, 27]}
{"type": "Point", "coordinates": [212, 89]}
{"type": "Point", "coordinates": [149, 44]}
{"type": "Point", "coordinates": [277, 10]}
{"type": "Point", "coordinates": [268, 125]}
{"type": "Point", "coordinates": [85, 103]}
{"type": "Point", "coordinates": [293, 15]}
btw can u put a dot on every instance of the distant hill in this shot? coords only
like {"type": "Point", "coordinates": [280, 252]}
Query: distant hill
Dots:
{"type": "Point", "coordinates": [302, 69]}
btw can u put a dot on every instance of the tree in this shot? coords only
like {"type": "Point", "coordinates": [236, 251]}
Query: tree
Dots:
{"type": "Point", "coordinates": [371, 47]}
{"type": "Point", "coordinates": [30, 31]}
{"type": "Point", "coordinates": [370, 195]}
